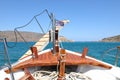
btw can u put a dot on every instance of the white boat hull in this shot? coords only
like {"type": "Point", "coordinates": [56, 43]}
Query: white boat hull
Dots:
{"type": "Point", "coordinates": [89, 72]}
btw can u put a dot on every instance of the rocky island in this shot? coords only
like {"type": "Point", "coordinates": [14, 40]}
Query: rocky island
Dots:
{"type": "Point", "coordinates": [112, 39]}
{"type": "Point", "coordinates": [28, 36]}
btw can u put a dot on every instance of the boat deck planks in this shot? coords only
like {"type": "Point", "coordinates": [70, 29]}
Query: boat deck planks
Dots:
{"type": "Point", "coordinates": [49, 59]}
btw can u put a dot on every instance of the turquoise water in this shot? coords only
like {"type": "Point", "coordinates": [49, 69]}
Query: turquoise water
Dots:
{"type": "Point", "coordinates": [95, 49]}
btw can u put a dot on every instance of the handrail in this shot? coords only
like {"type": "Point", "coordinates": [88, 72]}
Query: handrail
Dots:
{"type": "Point", "coordinates": [116, 56]}
{"type": "Point", "coordinates": [7, 57]}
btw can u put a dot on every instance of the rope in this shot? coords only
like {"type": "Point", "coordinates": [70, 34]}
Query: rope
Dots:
{"type": "Point", "coordinates": [76, 76]}
{"type": "Point", "coordinates": [48, 75]}
{"type": "Point", "coordinates": [44, 75]}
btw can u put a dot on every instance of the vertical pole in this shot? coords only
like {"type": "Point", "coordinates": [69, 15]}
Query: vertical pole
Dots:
{"type": "Point", "coordinates": [9, 64]}
{"type": "Point", "coordinates": [117, 55]}
{"type": "Point", "coordinates": [56, 41]}
{"type": "Point", "coordinates": [53, 32]}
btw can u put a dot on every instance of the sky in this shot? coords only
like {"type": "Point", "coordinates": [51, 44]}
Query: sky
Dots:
{"type": "Point", "coordinates": [90, 20]}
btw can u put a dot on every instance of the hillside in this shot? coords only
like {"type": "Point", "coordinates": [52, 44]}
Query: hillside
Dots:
{"type": "Point", "coordinates": [112, 39]}
{"type": "Point", "coordinates": [28, 36]}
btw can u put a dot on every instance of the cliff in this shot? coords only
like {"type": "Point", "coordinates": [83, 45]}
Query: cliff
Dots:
{"type": "Point", "coordinates": [28, 36]}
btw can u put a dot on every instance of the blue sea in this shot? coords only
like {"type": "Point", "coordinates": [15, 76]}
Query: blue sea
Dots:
{"type": "Point", "coordinates": [95, 50]}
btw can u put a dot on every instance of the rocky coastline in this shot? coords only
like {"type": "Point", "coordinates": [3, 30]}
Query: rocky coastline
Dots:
{"type": "Point", "coordinates": [28, 36]}
{"type": "Point", "coordinates": [112, 39]}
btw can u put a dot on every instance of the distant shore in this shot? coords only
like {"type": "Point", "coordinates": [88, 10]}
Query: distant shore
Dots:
{"type": "Point", "coordinates": [28, 36]}
{"type": "Point", "coordinates": [33, 37]}
{"type": "Point", "coordinates": [112, 39]}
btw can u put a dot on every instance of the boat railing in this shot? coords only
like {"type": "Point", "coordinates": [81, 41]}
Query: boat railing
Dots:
{"type": "Point", "coordinates": [5, 52]}
{"type": "Point", "coordinates": [112, 56]}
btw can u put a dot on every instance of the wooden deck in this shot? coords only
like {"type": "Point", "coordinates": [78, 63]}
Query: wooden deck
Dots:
{"type": "Point", "coordinates": [49, 59]}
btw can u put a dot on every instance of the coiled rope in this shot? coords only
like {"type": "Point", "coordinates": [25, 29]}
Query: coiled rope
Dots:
{"type": "Point", "coordinates": [48, 75]}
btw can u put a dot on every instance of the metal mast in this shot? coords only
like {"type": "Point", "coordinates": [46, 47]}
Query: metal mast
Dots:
{"type": "Point", "coordinates": [53, 31]}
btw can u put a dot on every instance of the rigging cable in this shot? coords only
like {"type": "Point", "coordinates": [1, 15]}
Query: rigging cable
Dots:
{"type": "Point", "coordinates": [22, 38]}
{"type": "Point", "coordinates": [39, 25]}
{"type": "Point", "coordinates": [16, 29]}
{"type": "Point", "coordinates": [15, 34]}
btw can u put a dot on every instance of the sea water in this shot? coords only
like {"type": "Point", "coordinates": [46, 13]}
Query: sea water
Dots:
{"type": "Point", "coordinates": [95, 50]}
